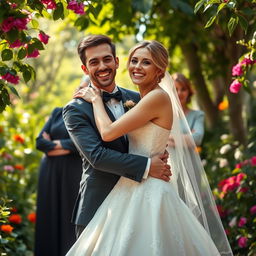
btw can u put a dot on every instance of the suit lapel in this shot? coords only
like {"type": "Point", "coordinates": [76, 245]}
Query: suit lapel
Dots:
{"type": "Point", "coordinates": [125, 97]}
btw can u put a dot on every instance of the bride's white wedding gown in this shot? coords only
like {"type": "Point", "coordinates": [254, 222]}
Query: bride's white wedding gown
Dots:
{"type": "Point", "coordinates": [147, 218]}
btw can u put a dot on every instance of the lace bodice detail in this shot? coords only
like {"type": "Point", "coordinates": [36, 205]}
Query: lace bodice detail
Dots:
{"type": "Point", "coordinates": [148, 140]}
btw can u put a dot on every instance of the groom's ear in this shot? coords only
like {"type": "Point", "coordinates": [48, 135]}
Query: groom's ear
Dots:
{"type": "Point", "coordinates": [84, 68]}
{"type": "Point", "coordinates": [117, 62]}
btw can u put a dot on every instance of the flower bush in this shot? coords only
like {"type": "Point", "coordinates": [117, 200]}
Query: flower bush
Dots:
{"type": "Point", "coordinates": [231, 170]}
{"type": "Point", "coordinates": [18, 180]}
{"type": "Point", "coordinates": [22, 37]}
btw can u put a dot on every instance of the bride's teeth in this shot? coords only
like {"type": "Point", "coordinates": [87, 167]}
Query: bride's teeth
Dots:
{"type": "Point", "coordinates": [136, 74]}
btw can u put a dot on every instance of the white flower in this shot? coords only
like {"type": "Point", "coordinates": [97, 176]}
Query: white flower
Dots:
{"type": "Point", "coordinates": [238, 154]}
{"type": "Point", "coordinates": [224, 149]}
{"type": "Point", "coordinates": [250, 145]}
{"type": "Point", "coordinates": [214, 168]}
{"type": "Point", "coordinates": [204, 162]}
{"type": "Point", "coordinates": [224, 137]}
{"type": "Point", "coordinates": [232, 223]}
{"type": "Point", "coordinates": [223, 162]}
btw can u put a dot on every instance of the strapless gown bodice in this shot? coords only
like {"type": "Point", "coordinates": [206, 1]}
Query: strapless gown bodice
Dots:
{"type": "Point", "coordinates": [148, 140]}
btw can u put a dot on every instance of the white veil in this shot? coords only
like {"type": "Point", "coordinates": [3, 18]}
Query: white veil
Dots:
{"type": "Point", "coordinates": [188, 174]}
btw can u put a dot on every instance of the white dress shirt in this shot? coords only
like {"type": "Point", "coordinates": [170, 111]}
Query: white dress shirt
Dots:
{"type": "Point", "coordinates": [117, 109]}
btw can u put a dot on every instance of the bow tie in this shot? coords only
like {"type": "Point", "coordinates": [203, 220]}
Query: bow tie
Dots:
{"type": "Point", "coordinates": [107, 96]}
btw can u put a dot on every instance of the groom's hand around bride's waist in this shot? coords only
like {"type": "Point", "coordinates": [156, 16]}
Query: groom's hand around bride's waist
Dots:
{"type": "Point", "coordinates": [159, 168]}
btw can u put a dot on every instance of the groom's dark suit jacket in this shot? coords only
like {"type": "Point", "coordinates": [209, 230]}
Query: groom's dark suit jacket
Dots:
{"type": "Point", "coordinates": [103, 162]}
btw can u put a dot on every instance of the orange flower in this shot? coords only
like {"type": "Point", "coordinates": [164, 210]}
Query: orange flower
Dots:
{"type": "Point", "coordinates": [1, 129]}
{"type": "Point", "coordinates": [32, 217]}
{"type": "Point", "coordinates": [19, 167]}
{"type": "Point", "coordinates": [223, 105]}
{"type": "Point", "coordinates": [6, 228]}
{"type": "Point", "coordinates": [198, 149]}
{"type": "Point", "coordinates": [18, 138]}
{"type": "Point", "coordinates": [15, 218]}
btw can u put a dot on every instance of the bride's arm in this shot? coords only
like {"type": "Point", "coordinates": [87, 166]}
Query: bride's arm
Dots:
{"type": "Point", "coordinates": [149, 108]}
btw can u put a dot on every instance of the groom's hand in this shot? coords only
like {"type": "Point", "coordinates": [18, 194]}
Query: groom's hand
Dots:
{"type": "Point", "coordinates": [159, 168]}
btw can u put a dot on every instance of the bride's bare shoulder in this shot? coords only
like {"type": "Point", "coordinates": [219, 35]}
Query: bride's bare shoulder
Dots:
{"type": "Point", "coordinates": [158, 95]}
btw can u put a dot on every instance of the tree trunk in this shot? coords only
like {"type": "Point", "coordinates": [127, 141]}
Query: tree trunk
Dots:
{"type": "Point", "coordinates": [236, 122]}
{"type": "Point", "coordinates": [204, 99]}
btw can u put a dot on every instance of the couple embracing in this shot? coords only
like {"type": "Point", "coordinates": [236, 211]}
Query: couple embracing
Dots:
{"type": "Point", "coordinates": [130, 203]}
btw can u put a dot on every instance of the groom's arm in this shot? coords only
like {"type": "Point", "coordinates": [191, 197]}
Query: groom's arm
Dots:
{"type": "Point", "coordinates": [90, 145]}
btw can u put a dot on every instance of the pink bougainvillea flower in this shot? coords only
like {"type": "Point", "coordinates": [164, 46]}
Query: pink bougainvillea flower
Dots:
{"type": "Point", "coordinates": [33, 54]}
{"type": "Point", "coordinates": [21, 23]}
{"type": "Point", "coordinates": [43, 37]}
{"type": "Point", "coordinates": [17, 43]}
{"type": "Point", "coordinates": [9, 168]}
{"type": "Point", "coordinates": [10, 78]}
{"type": "Point", "coordinates": [78, 8]}
{"type": "Point", "coordinates": [242, 221]}
{"type": "Point", "coordinates": [17, 23]}
{"type": "Point", "coordinates": [7, 24]}
{"type": "Point", "coordinates": [237, 70]}
{"type": "Point", "coordinates": [239, 165]}
{"type": "Point", "coordinates": [235, 86]}
{"type": "Point", "coordinates": [242, 241]}
{"type": "Point", "coordinates": [253, 210]}
{"type": "Point", "coordinates": [247, 61]}
{"type": "Point", "coordinates": [240, 176]}
{"type": "Point", "coordinates": [253, 161]}
{"type": "Point", "coordinates": [243, 190]}
{"type": "Point", "coordinates": [50, 4]}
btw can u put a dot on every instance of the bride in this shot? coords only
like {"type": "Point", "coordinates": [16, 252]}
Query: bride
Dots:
{"type": "Point", "coordinates": [150, 218]}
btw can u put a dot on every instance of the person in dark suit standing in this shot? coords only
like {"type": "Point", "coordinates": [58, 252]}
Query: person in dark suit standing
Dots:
{"type": "Point", "coordinates": [104, 162]}
{"type": "Point", "coordinates": [58, 185]}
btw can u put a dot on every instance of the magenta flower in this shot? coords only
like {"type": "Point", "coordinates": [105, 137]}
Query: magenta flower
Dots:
{"type": "Point", "coordinates": [242, 241]}
{"type": "Point", "coordinates": [239, 165]}
{"type": "Point", "coordinates": [34, 54]}
{"type": "Point", "coordinates": [50, 4]}
{"type": "Point", "coordinates": [247, 61]}
{"type": "Point", "coordinates": [43, 37]}
{"type": "Point", "coordinates": [11, 22]}
{"type": "Point", "coordinates": [243, 190]}
{"type": "Point", "coordinates": [235, 86]}
{"type": "Point", "coordinates": [16, 44]}
{"type": "Point", "coordinates": [242, 222]}
{"type": "Point", "coordinates": [240, 177]}
{"type": "Point", "coordinates": [11, 78]}
{"type": "Point", "coordinates": [253, 210]}
{"type": "Point", "coordinates": [78, 8]}
{"type": "Point", "coordinates": [253, 161]}
{"type": "Point", "coordinates": [237, 70]}
{"type": "Point", "coordinates": [7, 24]}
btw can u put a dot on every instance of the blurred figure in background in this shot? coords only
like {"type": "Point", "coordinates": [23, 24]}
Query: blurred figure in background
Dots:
{"type": "Point", "coordinates": [58, 185]}
{"type": "Point", "coordinates": [195, 118]}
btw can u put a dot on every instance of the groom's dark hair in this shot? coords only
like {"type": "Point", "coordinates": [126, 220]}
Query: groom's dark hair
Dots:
{"type": "Point", "coordinates": [94, 40]}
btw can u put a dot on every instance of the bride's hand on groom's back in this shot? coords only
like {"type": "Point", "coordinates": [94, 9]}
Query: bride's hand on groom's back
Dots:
{"type": "Point", "coordinates": [159, 168]}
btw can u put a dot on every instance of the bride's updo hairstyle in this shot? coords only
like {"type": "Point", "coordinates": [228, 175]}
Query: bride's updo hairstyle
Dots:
{"type": "Point", "coordinates": [158, 52]}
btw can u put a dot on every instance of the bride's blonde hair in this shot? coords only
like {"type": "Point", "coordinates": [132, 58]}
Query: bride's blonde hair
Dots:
{"type": "Point", "coordinates": [158, 52]}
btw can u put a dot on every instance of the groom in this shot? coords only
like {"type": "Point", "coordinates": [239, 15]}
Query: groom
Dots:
{"type": "Point", "coordinates": [103, 162]}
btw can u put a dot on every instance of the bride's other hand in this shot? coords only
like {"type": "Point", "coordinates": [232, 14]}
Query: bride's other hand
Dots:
{"type": "Point", "coordinates": [89, 94]}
